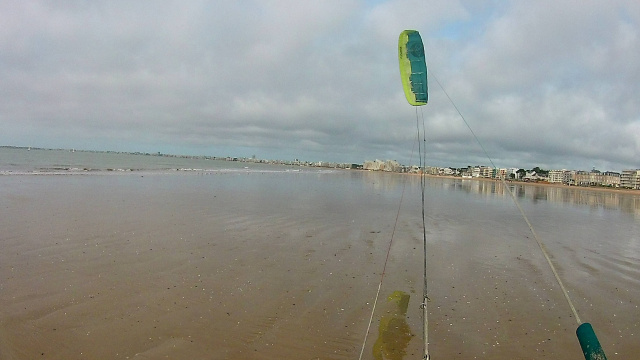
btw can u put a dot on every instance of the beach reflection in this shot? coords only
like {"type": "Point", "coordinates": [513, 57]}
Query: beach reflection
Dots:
{"type": "Point", "coordinates": [594, 198]}
{"type": "Point", "coordinates": [597, 199]}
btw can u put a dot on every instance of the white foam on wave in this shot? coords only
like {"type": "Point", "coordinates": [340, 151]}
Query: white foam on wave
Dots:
{"type": "Point", "coordinates": [115, 171]}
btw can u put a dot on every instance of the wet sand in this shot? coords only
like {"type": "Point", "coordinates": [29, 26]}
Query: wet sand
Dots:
{"type": "Point", "coordinates": [273, 266]}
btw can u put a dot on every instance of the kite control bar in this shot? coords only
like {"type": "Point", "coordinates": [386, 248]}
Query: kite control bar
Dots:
{"type": "Point", "coordinates": [589, 343]}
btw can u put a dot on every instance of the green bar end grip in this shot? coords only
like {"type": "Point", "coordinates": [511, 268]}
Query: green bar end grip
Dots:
{"type": "Point", "coordinates": [589, 343]}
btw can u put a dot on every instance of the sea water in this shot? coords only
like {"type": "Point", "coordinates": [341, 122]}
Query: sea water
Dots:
{"type": "Point", "coordinates": [565, 212]}
{"type": "Point", "coordinates": [57, 161]}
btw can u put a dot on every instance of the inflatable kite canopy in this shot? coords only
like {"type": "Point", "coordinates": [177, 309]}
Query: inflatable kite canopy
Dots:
{"type": "Point", "coordinates": [413, 68]}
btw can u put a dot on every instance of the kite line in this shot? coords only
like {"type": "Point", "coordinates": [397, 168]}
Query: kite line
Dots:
{"type": "Point", "coordinates": [589, 343]}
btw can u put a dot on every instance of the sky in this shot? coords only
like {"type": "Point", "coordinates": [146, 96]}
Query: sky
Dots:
{"type": "Point", "coordinates": [552, 84]}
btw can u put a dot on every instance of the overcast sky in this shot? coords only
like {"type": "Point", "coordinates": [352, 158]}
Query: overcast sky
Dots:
{"type": "Point", "coordinates": [553, 84]}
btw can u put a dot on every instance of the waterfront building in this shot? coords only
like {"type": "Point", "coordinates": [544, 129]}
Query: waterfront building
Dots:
{"type": "Point", "coordinates": [379, 165]}
{"type": "Point", "coordinates": [498, 173]}
{"type": "Point", "coordinates": [611, 179]}
{"type": "Point", "coordinates": [372, 165]}
{"type": "Point", "coordinates": [511, 171]}
{"type": "Point", "coordinates": [486, 172]}
{"type": "Point", "coordinates": [581, 178]}
{"type": "Point", "coordinates": [556, 176]}
{"type": "Point", "coordinates": [567, 177]}
{"type": "Point", "coordinates": [630, 179]}
{"type": "Point", "coordinates": [595, 177]}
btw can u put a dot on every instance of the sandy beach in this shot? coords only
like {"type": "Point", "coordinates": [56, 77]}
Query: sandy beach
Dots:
{"type": "Point", "coordinates": [259, 266]}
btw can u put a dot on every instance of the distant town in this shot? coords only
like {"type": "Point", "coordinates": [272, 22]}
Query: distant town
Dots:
{"type": "Point", "coordinates": [626, 179]}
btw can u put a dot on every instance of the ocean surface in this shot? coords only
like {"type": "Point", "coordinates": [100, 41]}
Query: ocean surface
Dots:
{"type": "Point", "coordinates": [27, 161]}
{"type": "Point", "coordinates": [23, 161]}
{"type": "Point", "coordinates": [492, 292]}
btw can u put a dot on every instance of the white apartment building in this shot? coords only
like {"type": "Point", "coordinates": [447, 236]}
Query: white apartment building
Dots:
{"type": "Point", "coordinates": [630, 179]}
{"type": "Point", "coordinates": [557, 176]}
